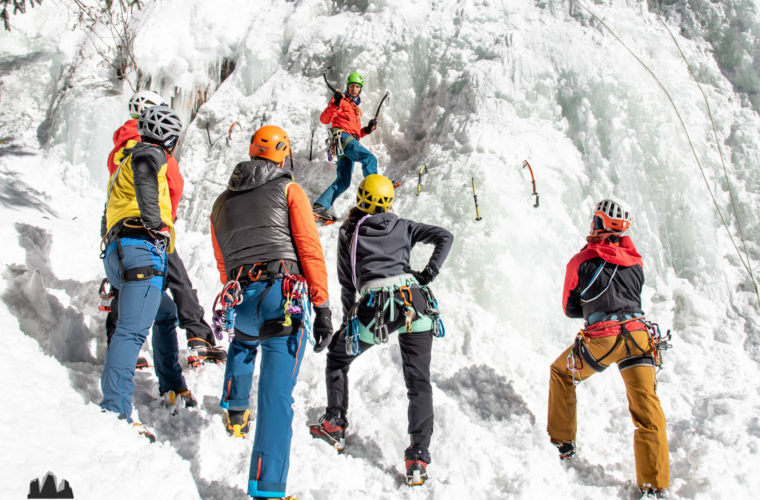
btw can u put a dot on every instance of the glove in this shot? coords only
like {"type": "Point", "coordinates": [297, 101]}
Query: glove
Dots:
{"type": "Point", "coordinates": [337, 96]}
{"type": "Point", "coordinates": [425, 276]}
{"type": "Point", "coordinates": [323, 329]}
{"type": "Point", "coordinates": [372, 125]}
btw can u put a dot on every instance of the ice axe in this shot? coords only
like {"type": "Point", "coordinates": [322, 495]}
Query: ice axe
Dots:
{"type": "Point", "coordinates": [387, 94]}
{"type": "Point", "coordinates": [532, 180]}
{"type": "Point", "coordinates": [229, 132]}
{"type": "Point", "coordinates": [423, 170]}
{"type": "Point", "coordinates": [324, 75]}
{"type": "Point", "coordinates": [475, 197]}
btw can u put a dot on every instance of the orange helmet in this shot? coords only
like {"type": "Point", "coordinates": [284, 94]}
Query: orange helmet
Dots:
{"type": "Point", "coordinates": [610, 217]}
{"type": "Point", "coordinates": [270, 142]}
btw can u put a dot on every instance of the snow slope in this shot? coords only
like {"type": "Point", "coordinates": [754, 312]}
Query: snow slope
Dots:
{"type": "Point", "coordinates": [477, 86]}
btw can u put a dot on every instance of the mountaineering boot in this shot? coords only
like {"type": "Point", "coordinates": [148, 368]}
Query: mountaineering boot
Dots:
{"type": "Point", "coordinates": [416, 459]}
{"type": "Point", "coordinates": [331, 430]}
{"type": "Point", "coordinates": [174, 400]}
{"type": "Point", "coordinates": [238, 422]}
{"type": "Point", "coordinates": [321, 214]}
{"type": "Point", "coordinates": [566, 450]}
{"type": "Point", "coordinates": [416, 472]}
{"type": "Point", "coordinates": [142, 362]}
{"type": "Point", "coordinates": [653, 493]}
{"type": "Point", "coordinates": [203, 352]}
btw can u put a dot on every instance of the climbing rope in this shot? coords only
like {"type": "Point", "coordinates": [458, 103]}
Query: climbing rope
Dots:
{"type": "Point", "coordinates": [747, 265]}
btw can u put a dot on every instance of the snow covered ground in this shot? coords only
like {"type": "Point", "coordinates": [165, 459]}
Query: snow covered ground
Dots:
{"type": "Point", "coordinates": [477, 86]}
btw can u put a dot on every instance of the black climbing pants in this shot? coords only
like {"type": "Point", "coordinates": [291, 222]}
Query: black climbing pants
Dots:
{"type": "Point", "coordinates": [415, 356]}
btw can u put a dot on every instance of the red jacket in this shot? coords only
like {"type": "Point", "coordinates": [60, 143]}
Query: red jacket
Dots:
{"type": "Point", "coordinates": [128, 132]}
{"type": "Point", "coordinates": [348, 116]}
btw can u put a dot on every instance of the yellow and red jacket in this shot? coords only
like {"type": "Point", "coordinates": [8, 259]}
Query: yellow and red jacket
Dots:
{"type": "Point", "coordinates": [138, 189]}
{"type": "Point", "coordinates": [126, 137]}
{"type": "Point", "coordinates": [347, 117]}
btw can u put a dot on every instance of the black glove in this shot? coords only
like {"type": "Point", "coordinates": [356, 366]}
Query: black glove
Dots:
{"type": "Point", "coordinates": [372, 125]}
{"type": "Point", "coordinates": [337, 96]}
{"type": "Point", "coordinates": [323, 329]}
{"type": "Point", "coordinates": [425, 276]}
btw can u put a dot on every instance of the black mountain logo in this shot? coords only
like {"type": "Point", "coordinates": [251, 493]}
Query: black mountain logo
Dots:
{"type": "Point", "coordinates": [50, 488]}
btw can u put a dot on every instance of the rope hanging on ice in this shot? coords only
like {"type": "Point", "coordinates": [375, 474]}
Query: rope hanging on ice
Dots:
{"type": "Point", "coordinates": [747, 265]}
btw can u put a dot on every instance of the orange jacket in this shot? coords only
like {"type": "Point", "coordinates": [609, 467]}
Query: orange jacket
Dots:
{"type": "Point", "coordinates": [128, 132]}
{"type": "Point", "coordinates": [348, 116]}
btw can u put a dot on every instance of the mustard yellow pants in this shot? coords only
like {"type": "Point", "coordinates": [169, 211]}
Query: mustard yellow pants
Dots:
{"type": "Point", "coordinates": [650, 440]}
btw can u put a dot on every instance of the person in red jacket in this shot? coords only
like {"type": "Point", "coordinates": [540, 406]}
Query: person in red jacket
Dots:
{"type": "Point", "coordinates": [345, 117]}
{"type": "Point", "coordinates": [603, 285]}
{"type": "Point", "coordinates": [267, 248]}
{"type": "Point", "coordinates": [200, 338]}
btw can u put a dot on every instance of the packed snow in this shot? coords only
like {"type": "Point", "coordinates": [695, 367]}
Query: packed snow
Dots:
{"type": "Point", "coordinates": [476, 87]}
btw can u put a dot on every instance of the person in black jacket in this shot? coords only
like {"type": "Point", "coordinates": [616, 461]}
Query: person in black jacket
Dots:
{"type": "Point", "coordinates": [373, 261]}
{"type": "Point", "coordinates": [603, 285]}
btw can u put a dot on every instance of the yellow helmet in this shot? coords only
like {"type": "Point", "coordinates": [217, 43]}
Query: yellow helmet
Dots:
{"type": "Point", "coordinates": [270, 142]}
{"type": "Point", "coordinates": [375, 194]}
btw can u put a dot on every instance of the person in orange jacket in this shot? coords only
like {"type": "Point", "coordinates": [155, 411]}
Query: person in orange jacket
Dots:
{"type": "Point", "coordinates": [344, 116]}
{"type": "Point", "coordinates": [200, 338]}
{"type": "Point", "coordinates": [603, 285]}
{"type": "Point", "coordinates": [275, 260]}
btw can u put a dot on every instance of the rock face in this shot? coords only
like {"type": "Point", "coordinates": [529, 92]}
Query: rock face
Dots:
{"type": "Point", "coordinates": [50, 488]}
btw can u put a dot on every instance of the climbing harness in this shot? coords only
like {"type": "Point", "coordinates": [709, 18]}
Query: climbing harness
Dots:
{"type": "Point", "coordinates": [381, 297]}
{"type": "Point", "coordinates": [580, 354]}
{"type": "Point", "coordinates": [223, 316]}
{"type": "Point", "coordinates": [532, 180]}
{"type": "Point", "coordinates": [106, 293]}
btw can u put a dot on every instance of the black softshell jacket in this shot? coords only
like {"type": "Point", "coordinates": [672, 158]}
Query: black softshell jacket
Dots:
{"type": "Point", "coordinates": [383, 247]}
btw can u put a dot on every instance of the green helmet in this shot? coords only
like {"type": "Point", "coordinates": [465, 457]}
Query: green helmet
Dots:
{"type": "Point", "coordinates": [355, 77]}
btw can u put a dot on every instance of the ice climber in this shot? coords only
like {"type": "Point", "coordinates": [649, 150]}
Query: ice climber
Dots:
{"type": "Point", "coordinates": [200, 339]}
{"type": "Point", "coordinates": [344, 116]}
{"type": "Point", "coordinates": [373, 260]}
{"type": "Point", "coordinates": [138, 235]}
{"type": "Point", "coordinates": [266, 245]}
{"type": "Point", "coordinates": [603, 285]}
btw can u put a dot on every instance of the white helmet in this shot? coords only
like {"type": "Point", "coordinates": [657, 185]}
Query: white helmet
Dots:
{"type": "Point", "coordinates": [610, 217]}
{"type": "Point", "coordinates": [142, 100]}
{"type": "Point", "coordinates": [160, 125]}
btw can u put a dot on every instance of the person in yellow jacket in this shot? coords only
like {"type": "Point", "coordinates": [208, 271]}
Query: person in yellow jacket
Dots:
{"type": "Point", "coordinates": [138, 233]}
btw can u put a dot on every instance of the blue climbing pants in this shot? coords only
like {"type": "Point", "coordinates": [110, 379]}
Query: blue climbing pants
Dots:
{"type": "Point", "coordinates": [353, 152]}
{"type": "Point", "coordinates": [139, 303]}
{"type": "Point", "coordinates": [280, 362]}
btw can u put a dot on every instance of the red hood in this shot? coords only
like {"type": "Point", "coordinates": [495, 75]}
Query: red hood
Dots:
{"type": "Point", "coordinates": [125, 133]}
{"type": "Point", "coordinates": [623, 253]}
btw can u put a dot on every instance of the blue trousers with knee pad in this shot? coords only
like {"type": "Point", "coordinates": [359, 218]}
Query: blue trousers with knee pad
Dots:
{"type": "Point", "coordinates": [139, 303]}
{"type": "Point", "coordinates": [353, 152]}
{"type": "Point", "coordinates": [280, 362]}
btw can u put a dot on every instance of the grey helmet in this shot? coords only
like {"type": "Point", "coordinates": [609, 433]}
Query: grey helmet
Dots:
{"type": "Point", "coordinates": [143, 100]}
{"type": "Point", "coordinates": [160, 125]}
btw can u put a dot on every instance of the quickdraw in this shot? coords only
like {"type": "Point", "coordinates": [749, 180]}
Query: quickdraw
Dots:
{"type": "Point", "coordinates": [432, 310]}
{"type": "Point", "coordinates": [223, 318]}
{"type": "Point", "coordinates": [658, 342]}
{"type": "Point", "coordinates": [296, 294]}
{"type": "Point", "coordinates": [334, 145]}
{"type": "Point", "coordinates": [106, 293]}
